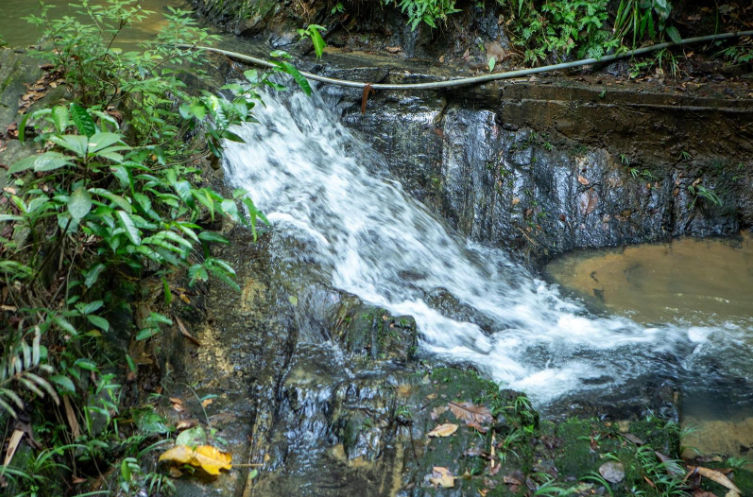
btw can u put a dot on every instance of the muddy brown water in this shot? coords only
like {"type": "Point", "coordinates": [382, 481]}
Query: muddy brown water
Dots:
{"type": "Point", "coordinates": [19, 33]}
{"type": "Point", "coordinates": [703, 285]}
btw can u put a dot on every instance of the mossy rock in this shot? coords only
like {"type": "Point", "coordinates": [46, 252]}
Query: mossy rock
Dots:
{"type": "Point", "coordinates": [374, 332]}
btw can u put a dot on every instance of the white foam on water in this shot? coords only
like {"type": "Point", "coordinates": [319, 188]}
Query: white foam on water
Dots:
{"type": "Point", "coordinates": [319, 183]}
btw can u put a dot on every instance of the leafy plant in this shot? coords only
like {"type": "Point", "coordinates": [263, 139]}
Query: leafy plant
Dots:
{"type": "Point", "coordinates": [638, 20]}
{"type": "Point", "coordinates": [430, 12]}
{"type": "Point", "coordinates": [314, 33]}
{"type": "Point", "coordinates": [101, 208]}
{"type": "Point", "coordinates": [560, 27]}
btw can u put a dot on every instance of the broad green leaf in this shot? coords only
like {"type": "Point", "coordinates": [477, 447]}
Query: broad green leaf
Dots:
{"type": "Point", "coordinates": [22, 165]}
{"type": "Point", "coordinates": [61, 118]}
{"type": "Point", "coordinates": [10, 217]}
{"type": "Point", "coordinates": [116, 199]}
{"type": "Point", "coordinates": [83, 121]}
{"type": "Point", "coordinates": [91, 307]}
{"type": "Point", "coordinates": [86, 364]}
{"type": "Point", "coordinates": [79, 203]}
{"type": "Point", "coordinates": [146, 333]}
{"type": "Point", "coordinates": [63, 382]}
{"type": "Point", "coordinates": [156, 317]}
{"type": "Point", "coordinates": [317, 40]}
{"type": "Point", "coordinates": [101, 141]}
{"type": "Point", "coordinates": [130, 228]}
{"type": "Point", "coordinates": [297, 76]}
{"type": "Point", "coordinates": [674, 34]}
{"type": "Point", "coordinates": [65, 325]}
{"type": "Point", "coordinates": [93, 274]}
{"type": "Point", "coordinates": [75, 143]}
{"type": "Point", "coordinates": [99, 322]}
{"type": "Point", "coordinates": [199, 111]}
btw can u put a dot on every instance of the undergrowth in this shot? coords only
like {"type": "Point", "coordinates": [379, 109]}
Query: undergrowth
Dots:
{"type": "Point", "coordinates": [112, 197]}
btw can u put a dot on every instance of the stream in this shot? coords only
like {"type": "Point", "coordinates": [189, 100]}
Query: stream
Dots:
{"type": "Point", "coordinates": [322, 186]}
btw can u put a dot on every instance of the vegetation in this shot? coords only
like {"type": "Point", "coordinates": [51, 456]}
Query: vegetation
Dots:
{"type": "Point", "coordinates": [114, 198]}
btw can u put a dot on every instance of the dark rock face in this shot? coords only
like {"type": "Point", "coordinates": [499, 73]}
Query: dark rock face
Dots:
{"type": "Point", "coordinates": [554, 167]}
{"type": "Point", "coordinates": [367, 25]}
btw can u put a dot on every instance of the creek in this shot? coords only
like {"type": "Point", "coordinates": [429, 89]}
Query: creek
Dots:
{"type": "Point", "coordinates": [321, 185]}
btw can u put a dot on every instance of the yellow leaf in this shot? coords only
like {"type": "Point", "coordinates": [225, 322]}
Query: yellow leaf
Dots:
{"type": "Point", "coordinates": [718, 477]}
{"type": "Point", "coordinates": [213, 460]}
{"type": "Point", "coordinates": [442, 477]}
{"type": "Point", "coordinates": [444, 430]}
{"type": "Point", "coordinates": [205, 457]}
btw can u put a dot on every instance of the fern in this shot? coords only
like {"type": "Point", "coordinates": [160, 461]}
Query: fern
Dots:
{"type": "Point", "coordinates": [19, 371]}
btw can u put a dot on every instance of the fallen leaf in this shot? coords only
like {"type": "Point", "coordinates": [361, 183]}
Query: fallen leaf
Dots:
{"type": "Point", "coordinates": [716, 476]}
{"type": "Point", "coordinates": [444, 430]}
{"type": "Point", "coordinates": [365, 97]}
{"type": "Point", "coordinates": [394, 49]}
{"type": "Point", "coordinates": [583, 181]}
{"type": "Point", "coordinates": [442, 477]}
{"type": "Point", "coordinates": [185, 333]}
{"type": "Point", "coordinates": [70, 414]}
{"type": "Point", "coordinates": [205, 457]}
{"type": "Point", "coordinates": [185, 299]}
{"type": "Point", "coordinates": [175, 472]}
{"type": "Point", "coordinates": [587, 201]}
{"type": "Point", "coordinates": [510, 480]}
{"type": "Point", "coordinates": [437, 411]}
{"type": "Point", "coordinates": [612, 471]}
{"type": "Point", "coordinates": [431, 396]}
{"type": "Point", "coordinates": [477, 427]}
{"type": "Point", "coordinates": [207, 402]}
{"type": "Point", "coordinates": [186, 424]}
{"type": "Point", "coordinates": [15, 439]}
{"type": "Point", "coordinates": [634, 439]}
{"type": "Point", "coordinates": [76, 480]}
{"type": "Point", "coordinates": [471, 413]}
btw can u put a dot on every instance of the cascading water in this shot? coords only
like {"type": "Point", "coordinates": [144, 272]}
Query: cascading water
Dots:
{"type": "Point", "coordinates": [320, 184]}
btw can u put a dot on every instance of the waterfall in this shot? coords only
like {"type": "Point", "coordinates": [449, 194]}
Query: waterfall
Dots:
{"type": "Point", "coordinates": [322, 185]}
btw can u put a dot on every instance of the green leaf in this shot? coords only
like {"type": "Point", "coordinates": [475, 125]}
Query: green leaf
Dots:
{"type": "Point", "coordinates": [297, 76]}
{"type": "Point", "coordinates": [61, 118]}
{"type": "Point", "coordinates": [116, 199]}
{"type": "Point", "coordinates": [130, 228]}
{"type": "Point", "coordinates": [45, 162]}
{"type": "Point", "coordinates": [91, 307]}
{"type": "Point", "coordinates": [65, 325]}
{"type": "Point", "coordinates": [199, 111]}
{"type": "Point", "coordinates": [674, 35]}
{"type": "Point", "coordinates": [156, 317]}
{"type": "Point", "coordinates": [10, 217]}
{"type": "Point", "coordinates": [317, 40]}
{"type": "Point", "coordinates": [86, 364]}
{"type": "Point", "coordinates": [492, 63]}
{"type": "Point", "coordinates": [193, 437]}
{"type": "Point", "coordinates": [146, 333]}
{"type": "Point", "coordinates": [252, 75]}
{"type": "Point", "coordinates": [79, 203]}
{"type": "Point", "coordinates": [93, 274]}
{"type": "Point", "coordinates": [167, 292]}
{"type": "Point", "coordinates": [83, 121]}
{"type": "Point", "coordinates": [101, 141]}
{"type": "Point", "coordinates": [75, 143]}
{"type": "Point", "coordinates": [229, 135]}
{"type": "Point", "coordinates": [63, 382]}
{"type": "Point", "coordinates": [99, 322]}
{"type": "Point", "coordinates": [210, 236]}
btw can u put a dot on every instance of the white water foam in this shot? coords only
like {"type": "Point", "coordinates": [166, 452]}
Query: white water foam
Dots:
{"type": "Point", "coordinates": [319, 183]}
